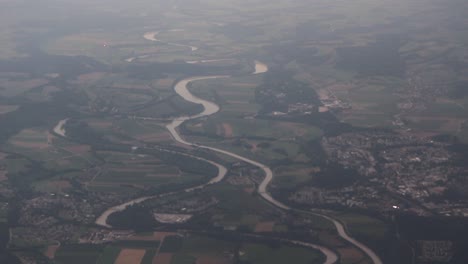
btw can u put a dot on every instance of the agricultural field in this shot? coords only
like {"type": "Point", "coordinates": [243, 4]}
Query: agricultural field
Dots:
{"type": "Point", "coordinates": [235, 96]}
{"type": "Point", "coordinates": [254, 128]}
{"type": "Point", "coordinates": [131, 45]}
{"type": "Point", "coordinates": [7, 108]}
{"type": "Point", "coordinates": [263, 147]}
{"type": "Point", "coordinates": [293, 176]}
{"type": "Point", "coordinates": [43, 93]}
{"type": "Point", "coordinates": [123, 252]}
{"type": "Point", "coordinates": [100, 125]}
{"type": "Point", "coordinates": [370, 106]}
{"type": "Point", "coordinates": [107, 70]}
{"type": "Point", "coordinates": [237, 126]}
{"type": "Point", "coordinates": [235, 209]}
{"type": "Point", "coordinates": [200, 250]}
{"type": "Point", "coordinates": [239, 208]}
{"type": "Point", "coordinates": [97, 44]}
{"type": "Point", "coordinates": [9, 47]}
{"type": "Point", "coordinates": [363, 226]}
{"type": "Point", "coordinates": [3, 171]}
{"type": "Point", "coordinates": [31, 139]}
{"type": "Point", "coordinates": [132, 172]}
{"type": "Point", "coordinates": [174, 248]}
{"type": "Point", "coordinates": [77, 253]}
{"type": "Point", "coordinates": [463, 132]}
{"type": "Point", "coordinates": [15, 84]}
{"type": "Point", "coordinates": [143, 130]}
{"type": "Point", "coordinates": [54, 152]}
{"type": "Point", "coordinates": [268, 153]}
{"type": "Point", "coordinates": [58, 185]}
{"type": "Point", "coordinates": [446, 116]}
{"type": "Point", "coordinates": [261, 254]}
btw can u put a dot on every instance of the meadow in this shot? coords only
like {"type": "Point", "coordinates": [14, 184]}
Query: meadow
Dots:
{"type": "Point", "coordinates": [173, 248]}
{"type": "Point", "coordinates": [261, 254]}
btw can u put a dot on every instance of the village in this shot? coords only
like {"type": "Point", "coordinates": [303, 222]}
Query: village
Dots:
{"type": "Point", "coordinates": [397, 172]}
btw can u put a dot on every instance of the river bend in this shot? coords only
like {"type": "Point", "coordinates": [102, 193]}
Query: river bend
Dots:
{"type": "Point", "coordinates": [210, 108]}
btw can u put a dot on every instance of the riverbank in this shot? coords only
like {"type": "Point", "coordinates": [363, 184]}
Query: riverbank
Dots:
{"type": "Point", "coordinates": [151, 36]}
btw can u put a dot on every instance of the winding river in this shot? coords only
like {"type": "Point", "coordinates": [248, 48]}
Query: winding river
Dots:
{"type": "Point", "coordinates": [181, 88]}
{"type": "Point", "coordinates": [152, 37]}
{"type": "Point", "coordinates": [210, 108]}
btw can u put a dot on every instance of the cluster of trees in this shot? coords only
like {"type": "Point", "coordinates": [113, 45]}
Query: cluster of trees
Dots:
{"type": "Point", "coordinates": [279, 89]}
{"type": "Point", "coordinates": [134, 217]}
{"type": "Point", "coordinates": [80, 131]}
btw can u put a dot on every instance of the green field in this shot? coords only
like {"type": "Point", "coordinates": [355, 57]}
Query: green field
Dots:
{"type": "Point", "coordinates": [363, 226]}
{"type": "Point", "coordinates": [369, 62]}
{"type": "Point", "coordinates": [71, 254]}
{"type": "Point", "coordinates": [115, 181]}
{"type": "Point", "coordinates": [102, 254]}
{"type": "Point", "coordinates": [261, 254]}
{"type": "Point", "coordinates": [236, 96]}
{"type": "Point", "coordinates": [131, 172]}
{"type": "Point", "coordinates": [55, 153]}
{"type": "Point", "coordinates": [372, 105]}
{"type": "Point", "coordinates": [237, 205]}
{"type": "Point", "coordinates": [109, 255]}
{"type": "Point", "coordinates": [57, 184]}
{"type": "Point", "coordinates": [239, 127]}
{"type": "Point", "coordinates": [186, 250]}
{"type": "Point", "coordinates": [146, 131]}
{"type": "Point", "coordinates": [172, 244]}
{"type": "Point", "coordinates": [149, 255]}
{"type": "Point", "coordinates": [194, 247]}
{"type": "Point", "coordinates": [293, 176]}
